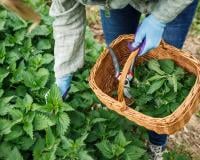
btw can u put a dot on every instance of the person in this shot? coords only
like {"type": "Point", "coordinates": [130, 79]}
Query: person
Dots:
{"type": "Point", "coordinates": [167, 19]}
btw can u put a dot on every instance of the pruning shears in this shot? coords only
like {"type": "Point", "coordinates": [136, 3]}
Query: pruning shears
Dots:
{"type": "Point", "coordinates": [118, 73]}
{"type": "Point", "coordinates": [130, 74]}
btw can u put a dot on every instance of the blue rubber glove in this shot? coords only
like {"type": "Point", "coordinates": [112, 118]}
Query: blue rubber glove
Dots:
{"type": "Point", "coordinates": [64, 84]}
{"type": "Point", "coordinates": [148, 35]}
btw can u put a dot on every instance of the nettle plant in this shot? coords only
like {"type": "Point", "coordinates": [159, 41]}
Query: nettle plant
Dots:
{"type": "Point", "coordinates": [30, 128]}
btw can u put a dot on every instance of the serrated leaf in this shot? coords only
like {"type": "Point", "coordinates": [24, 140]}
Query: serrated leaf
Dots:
{"type": "Point", "coordinates": [66, 107]}
{"type": "Point", "coordinates": [14, 134]}
{"type": "Point", "coordinates": [98, 120]}
{"type": "Point", "coordinates": [26, 142]}
{"type": "Point", "coordinates": [43, 75]}
{"type": "Point", "coordinates": [175, 83]}
{"type": "Point", "coordinates": [121, 140]}
{"type": "Point", "coordinates": [5, 126]}
{"type": "Point", "coordinates": [3, 15]}
{"type": "Point", "coordinates": [38, 148]}
{"type": "Point", "coordinates": [2, 52]}
{"type": "Point", "coordinates": [5, 106]}
{"type": "Point", "coordinates": [134, 153]}
{"type": "Point", "coordinates": [15, 155]}
{"type": "Point", "coordinates": [154, 65]}
{"type": "Point", "coordinates": [16, 22]}
{"type": "Point", "coordinates": [155, 86]}
{"type": "Point", "coordinates": [43, 44]}
{"type": "Point", "coordinates": [16, 115]}
{"type": "Point", "coordinates": [19, 36]}
{"type": "Point", "coordinates": [28, 100]}
{"type": "Point", "coordinates": [50, 139]}
{"type": "Point", "coordinates": [167, 65]}
{"type": "Point", "coordinates": [1, 92]}
{"type": "Point", "coordinates": [63, 122]}
{"type": "Point", "coordinates": [83, 155]}
{"type": "Point", "coordinates": [47, 58]}
{"type": "Point", "coordinates": [41, 122]}
{"type": "Point", "coordinates": [41, 30]}
{"type": "Point", "coordinates": [5, 149]}
{"type": "Point", "coordinates": [3, 74]}
{"type": "Point", "coordinates": [155, 77]}
{"type": "Point", "coordinates": [28, 128]}
{"type": "Point", "coordinates": [106, 148]}
{"type": "Point", "coordinates": [117, 150]}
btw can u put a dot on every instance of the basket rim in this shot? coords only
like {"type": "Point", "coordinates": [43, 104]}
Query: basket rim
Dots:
{"type": "Point", "coordinates": [181, 110]}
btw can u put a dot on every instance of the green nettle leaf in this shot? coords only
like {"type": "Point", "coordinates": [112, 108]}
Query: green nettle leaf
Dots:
{"type": "Point", "coordinates": [155, 77]}
{"type": "Point", "coordinates": [26, 142]}
{"type": "Point", "coordinates": [121, 140]}
{"type": "Point", "coordinates": [98, 120]}
{"type": "Point", "coordinates": [42, 77]}
{"type": "Point", "coordinates": [1, 92]}
{"type": "Point", "coordinates": [167, 65]}
{"type": "Point", "coordinates": [54, 96]}
{"type": "Point", "coordinates": [43, 44]}
{"type": "Point", "coordinates": [106, 148]}
{"type": "Point", "coordinates": [190, 80]}
{"type": "Point", "coordinates": [29, 80]}
{"type": "Point", "coordinates": [36, 80]}
{"type": "Point", "coordinates": [15, 133]}
{"type": "Point", "coordinates": [15, 155]}
{"type": "Point", "coordinates": [175, 83]}
{"type": "Point", "coordinates": [134, 153]}
{"type": "Point", "coordinates": [20, 36]}
{"type": "Point", "coordinates": [47, 58]}
{"type": "Point", "coordinates": [5, 106]}
{"type": "Point", "coordinates": [16, 22]}
{"type": "Point", "coordinates": [12, 56]}
{"type": "Point", "coordinates": [83, 155]}
{"type": "Point", "coordinates": [5, 126]}
{"type": "Point", "coordinates": [63, 122]}
{"type": "Point", "coordinates": [155, 86]}
{"type": "Point", "coordinates": [179, 72]}
{"type": "Point", "coordinates": [50, 139]}
{"type": "Point", "coordinates": [3, 16]}
{"type": "Point", "coordinates": [18, 74]}
{"type": "Point", "coordinates": [28, 128]}
{"type": "Point", "coordinates": [9, 41]}
{"type": "Point", "coordinates": [2, 52]}
{"type": "Point", "coordinates": [42, 121]}
{"type": "Point", "coordinates": [155, 66]}
{"type": "Point", "coordinates": [117, 150]}
{"type": "Point", "coordinates": [3, 74]}
{"type": "Point", "coordinates": [16, 115]}
{"type": "Point", "coordinates": [5, 149]}
{"type": "Point", "coordinates": [38, 148]}
{"type": "Point", "coordinates": [35, 61]}
{"type": "Point", "coordinates": [41, 30]}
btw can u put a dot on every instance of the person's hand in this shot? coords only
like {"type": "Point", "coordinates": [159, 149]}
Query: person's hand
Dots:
{"type": "Point", "coordinates": [148, 35]}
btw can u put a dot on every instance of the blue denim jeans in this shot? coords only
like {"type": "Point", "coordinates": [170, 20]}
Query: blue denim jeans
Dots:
{"type": "Point", "coordinates": [125, 21]}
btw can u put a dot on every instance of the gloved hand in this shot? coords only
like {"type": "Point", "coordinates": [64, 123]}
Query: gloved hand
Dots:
{"type": "Point", "coordinates": [148, 35]}
{"type": "Point", "coordinates": [64, 84]}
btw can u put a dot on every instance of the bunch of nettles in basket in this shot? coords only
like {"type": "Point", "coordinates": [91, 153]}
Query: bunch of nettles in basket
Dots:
{"type": "Point", "coordinates": [159, 87]}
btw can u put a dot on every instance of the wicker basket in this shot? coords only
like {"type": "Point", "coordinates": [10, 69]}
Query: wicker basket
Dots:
{"type": "Point", "coordinates": [103, 83]}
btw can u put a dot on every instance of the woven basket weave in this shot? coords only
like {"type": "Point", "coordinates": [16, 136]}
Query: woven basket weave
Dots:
{"type": "Point", "coordinates": [103, 82]}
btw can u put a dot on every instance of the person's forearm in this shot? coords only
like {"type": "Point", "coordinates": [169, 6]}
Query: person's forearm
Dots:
{"type": "Point", "coordinates": [69, 29]}
{"type": "Point", "coordinates": [166, 10]}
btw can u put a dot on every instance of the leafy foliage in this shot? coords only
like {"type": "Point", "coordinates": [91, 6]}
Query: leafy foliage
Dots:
{"type": "Point", "coordinates": [32, 128]}
{"type": "Point", "coordinates": [160, 86]}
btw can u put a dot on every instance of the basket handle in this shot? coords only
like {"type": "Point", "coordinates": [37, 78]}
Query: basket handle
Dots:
{"type": "Point", "coordinates": [125, 70]}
